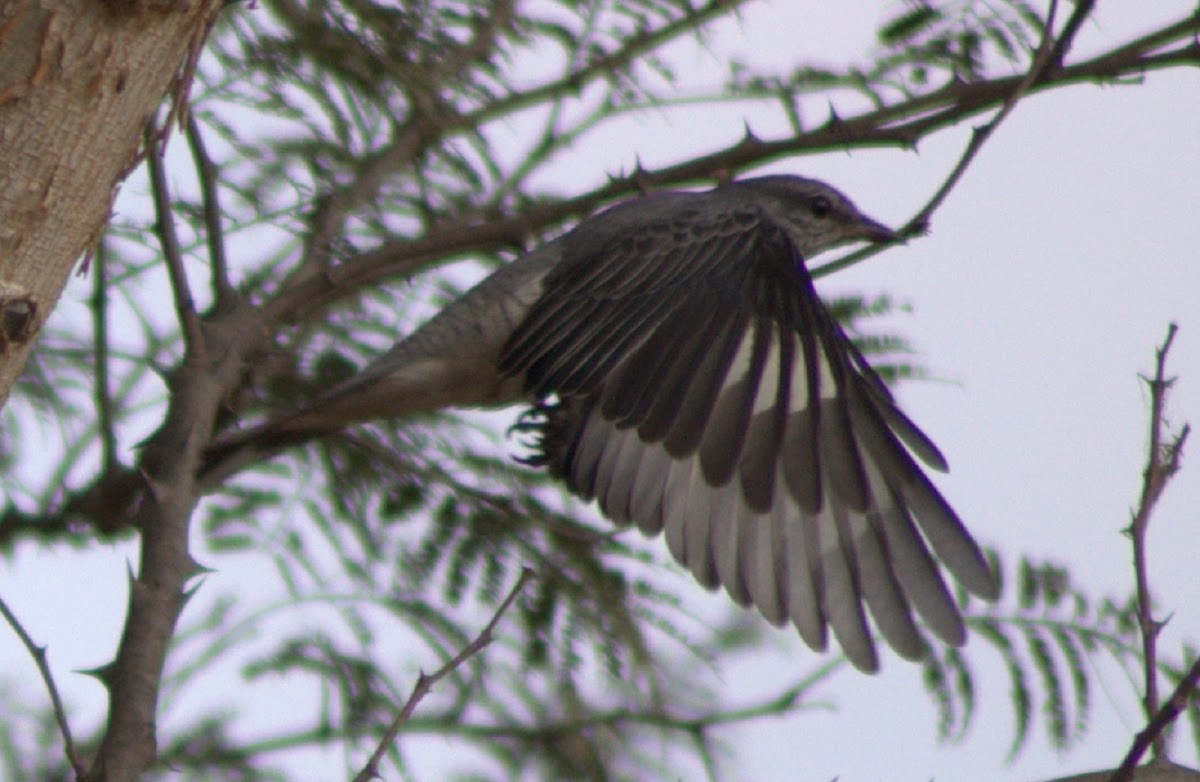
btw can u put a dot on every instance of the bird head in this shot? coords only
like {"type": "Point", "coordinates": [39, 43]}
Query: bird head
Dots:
{"type": "Point", "coordinates": [816, 216]}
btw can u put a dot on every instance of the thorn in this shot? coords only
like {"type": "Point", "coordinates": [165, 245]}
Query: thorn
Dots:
{"type": "Point", "coordinates": [749, 138]}
{"type": "Point", "coordinates": [102, 674]}
{"type": "Point", "coordinates": [157, 489]}
{"type": "Point", "coordinates": [641, 178]}
{"type": "Point", "coordinates": [138, 591]}
{"type": "Point", "coordinates": [189, 593]}
{"type": "Point", "coordinates": [196, 569]}
{"type": "Point", "coordinates": [834, 121]}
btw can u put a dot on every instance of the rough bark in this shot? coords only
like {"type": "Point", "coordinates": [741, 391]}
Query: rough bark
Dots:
{"type": "Point", "coordinates": [78, 79]}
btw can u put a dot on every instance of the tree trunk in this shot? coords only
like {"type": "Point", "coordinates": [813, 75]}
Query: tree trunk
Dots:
{"type": "Point", "coordinates": [78, 78]}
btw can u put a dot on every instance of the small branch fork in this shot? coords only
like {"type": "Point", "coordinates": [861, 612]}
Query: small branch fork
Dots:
{"type": "Point", "coordinates": [425, 682]}
{"type": "Point", "coordinates": [1162, 463]}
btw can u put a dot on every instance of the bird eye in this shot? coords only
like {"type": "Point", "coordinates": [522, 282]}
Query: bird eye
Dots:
{"type": "Point", "coordinates": [820, 206]}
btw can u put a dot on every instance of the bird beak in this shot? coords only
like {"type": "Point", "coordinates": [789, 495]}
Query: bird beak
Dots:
{"type": "Point", "coordinates": [875, 232]}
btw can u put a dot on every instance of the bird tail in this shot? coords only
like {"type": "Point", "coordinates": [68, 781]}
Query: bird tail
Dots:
{"type": "Point", "coordinates": [227, 455]}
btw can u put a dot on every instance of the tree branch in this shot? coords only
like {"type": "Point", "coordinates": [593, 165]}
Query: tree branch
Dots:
{"type": "Point", "coordinates": [1152, 734]}
{"type": "Point", "coordinates": [162, 497]}
{"type": "Point", "coordinates": [208, 174]}
{"type": "Point", "coordinates": [185, 309]}
{"type": "Point", "coordinates": [1162, 462]}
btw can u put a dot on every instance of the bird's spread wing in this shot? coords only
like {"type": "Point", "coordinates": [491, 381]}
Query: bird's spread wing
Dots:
{"type": "Point", "coordinates": [704, 390]}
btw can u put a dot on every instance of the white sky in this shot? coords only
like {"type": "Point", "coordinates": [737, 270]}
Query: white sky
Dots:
{"type": "Point", "coordinates": [1047, 281]}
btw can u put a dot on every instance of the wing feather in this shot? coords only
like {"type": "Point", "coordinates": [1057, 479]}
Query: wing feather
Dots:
{"type": "Point", "coordinates": [679, 416]}
{"type": "Point", "coordinates": [725, 432]}
{"type": "Point", "coordinates": [764, 436]}
{"type": "Point", "coordinates": [841, 594]}
{"type": "Point", "coordinates": [705, 392]}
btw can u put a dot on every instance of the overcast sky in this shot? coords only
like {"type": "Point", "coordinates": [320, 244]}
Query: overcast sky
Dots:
{"type": "Point", "coordinates": [1047, 281]}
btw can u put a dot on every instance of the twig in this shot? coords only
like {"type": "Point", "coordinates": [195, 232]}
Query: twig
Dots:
{"type": "Point", "coordinates": [38, 653]}
{"type": "Point", "coordinates": [1154, 729]}
{"type": "Point", "coordinates": [189, 321]}
{"type": "Point", "coordinates": [1162, 462]}
{"type": "Point", "coordinates": [919, 223]}
{"type": "Point", "coordinates": [1083, 9]}
{"type": "Point", "coordinates": [210, 194]}
{"type": "Point", "coordinates": [425, 682]}
{"type": "Point", "coordinates": [104, 423]}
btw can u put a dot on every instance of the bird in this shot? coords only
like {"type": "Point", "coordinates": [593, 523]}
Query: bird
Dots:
{"type": "Point", "coordinates": [682, 372]}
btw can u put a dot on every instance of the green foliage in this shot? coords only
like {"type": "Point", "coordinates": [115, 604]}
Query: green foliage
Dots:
{"type": "Point", "coordinates": [924, 46]}
{"type": "Point", "coordinates": [959, 39]}
{"type": "Point", "coordinates": [1049, 637]}
{"type": "Point", "coordinates": [23, 726]}
{"type": "Point", "coordinates": [884, 350]}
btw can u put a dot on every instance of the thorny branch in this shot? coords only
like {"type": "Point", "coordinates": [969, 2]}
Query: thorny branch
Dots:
{"type": "Point", "coordinates": [1162, 463]}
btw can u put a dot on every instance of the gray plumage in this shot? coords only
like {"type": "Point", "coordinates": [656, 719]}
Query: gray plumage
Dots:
{"type": "Point", "coordinates": [700, 388]}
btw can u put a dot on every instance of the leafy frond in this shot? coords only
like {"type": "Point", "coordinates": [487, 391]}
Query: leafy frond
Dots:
{"type": "Point", "coordinates": [1048, 637]}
